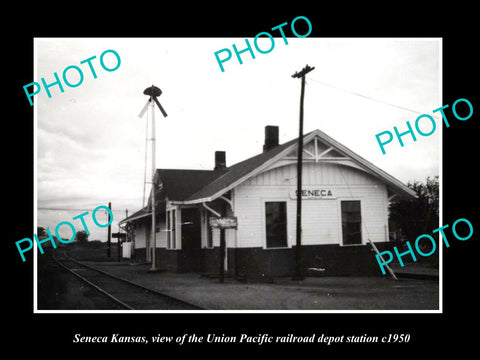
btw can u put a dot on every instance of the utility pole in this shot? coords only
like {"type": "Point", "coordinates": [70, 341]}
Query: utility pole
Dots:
{"type": "Point", "coordinates": [109, 233]}
{"type": "Point", "coordinates": [119, 246]}
{"type": "Point", "coordinates": [298, 248]}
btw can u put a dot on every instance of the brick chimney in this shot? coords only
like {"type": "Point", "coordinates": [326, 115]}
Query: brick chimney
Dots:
{"type": "Point", "coordinates": [220, 162]}
{"type": "Point", "coordinates": [271, 137]}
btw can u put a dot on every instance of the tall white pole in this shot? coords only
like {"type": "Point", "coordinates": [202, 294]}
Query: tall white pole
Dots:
{"type": "Point", "coordinates": [145, 167]}
{"type": "Point", "coordinates": [153, 189]}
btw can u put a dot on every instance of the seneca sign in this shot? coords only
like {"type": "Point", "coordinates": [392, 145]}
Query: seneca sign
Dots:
{"type": "Point", "coordinates": [226, 222]}
{"type": "Point", "coordinates": [313, 194]}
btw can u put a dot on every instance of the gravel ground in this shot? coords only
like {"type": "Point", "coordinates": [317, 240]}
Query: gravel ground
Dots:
{"type": "Point", "coordinates": [313, 293]}
{"type": "Point", "coordinates": [58, 289]}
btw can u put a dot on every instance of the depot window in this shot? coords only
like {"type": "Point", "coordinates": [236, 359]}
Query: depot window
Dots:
{"type": "Point", "coordinates": [276, 223]}
{"type": "Point", "coordinates": [351, 223]}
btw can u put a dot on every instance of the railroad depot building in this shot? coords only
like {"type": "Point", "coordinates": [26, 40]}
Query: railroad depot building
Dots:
{"type": "Point", "coordinates": [344, 205]}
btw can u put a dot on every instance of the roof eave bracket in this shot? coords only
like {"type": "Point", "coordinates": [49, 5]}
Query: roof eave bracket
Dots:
{"type": "Point", "coordinates": [211, 210]}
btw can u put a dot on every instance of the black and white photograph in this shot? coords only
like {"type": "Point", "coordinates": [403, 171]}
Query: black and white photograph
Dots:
{"type": "Point", "coordinates": [221, 150]}
{"type": "Point", "coordinates": [243, 182]}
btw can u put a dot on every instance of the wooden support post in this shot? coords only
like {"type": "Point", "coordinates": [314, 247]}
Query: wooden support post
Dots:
{"type": "Point", "coordinates": [221, 266]}
{"type": "Point", "coordinates": [388, 267]}
{"type": "Point", "coordinates": [221, 260]}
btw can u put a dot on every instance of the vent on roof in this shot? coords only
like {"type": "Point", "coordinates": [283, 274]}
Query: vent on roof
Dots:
{"type": "Point", "coordinates": [271, 137]}
{"type": "Point", "coordinates": [220, 162]}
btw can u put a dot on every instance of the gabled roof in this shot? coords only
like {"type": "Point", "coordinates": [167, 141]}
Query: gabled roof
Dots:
{"type": "Point", "coordinates": [137, 215]}
{"type": "Point", "coordinates": [394, 183]}
{"type": "Point", "coordinates": [238, 173]}
{"type": "Point", "coordinates": [175, 184]}
{"type": "Point", "coordinates": [179, 185]}
{"type": "Point", "coordinates": [198, 186]}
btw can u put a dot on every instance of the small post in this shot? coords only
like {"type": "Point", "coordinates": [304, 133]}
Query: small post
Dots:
{"type": "Point", "coordinates": [221, 267]}
{"type": "Point", "coordinates": [298, 246]}
{"type": "Point", "coordinates": [221, 262]}
{"type": "Point", "coordinates": [119, 248]}
{"type": "Point", "coordinates": [127, 227]}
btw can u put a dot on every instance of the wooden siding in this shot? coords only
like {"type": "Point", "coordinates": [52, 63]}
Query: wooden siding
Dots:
{"type": "Point", "coordinates": [321, 218]}
{"type": "Point", "coordinates": [140, 235]}
{"type": "Point", "coordinates": [143, 230]}
{"type": "Point", "coordinates": [161, 236]}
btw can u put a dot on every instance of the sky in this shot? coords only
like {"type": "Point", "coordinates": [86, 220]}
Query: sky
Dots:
{"type": "Point", "coordinates": [90, 141]}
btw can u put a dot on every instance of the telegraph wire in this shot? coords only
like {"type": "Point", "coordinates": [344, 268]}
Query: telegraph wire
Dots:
{"type": "Point", "coordinates": [370, 98]}
{"type": "Point", "coordinates": [69, 209]}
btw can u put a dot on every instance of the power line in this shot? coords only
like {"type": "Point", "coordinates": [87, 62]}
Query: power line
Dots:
{"type": "Point", "coordinates": [369, 98]}
{"type": "Point", "coordinates": [69, 209]}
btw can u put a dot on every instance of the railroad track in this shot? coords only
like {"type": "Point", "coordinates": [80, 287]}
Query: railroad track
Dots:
{"type": "Point", "coordinates": [127, 294]}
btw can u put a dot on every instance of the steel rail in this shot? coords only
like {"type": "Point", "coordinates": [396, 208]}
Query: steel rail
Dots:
{"type": "Point", "coordinates": [125, 281]}
{"type": "Point", "coordinates": [118, 301]}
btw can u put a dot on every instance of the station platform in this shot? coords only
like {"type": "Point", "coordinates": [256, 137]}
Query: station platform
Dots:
{"type": "Point", "coordinates": [285, 294]}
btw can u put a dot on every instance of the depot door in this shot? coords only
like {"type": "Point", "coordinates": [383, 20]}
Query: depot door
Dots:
{"type": "Point", "coordinates": [191, 240]}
